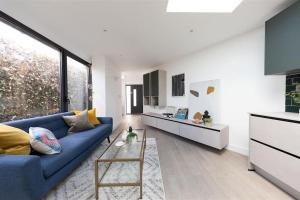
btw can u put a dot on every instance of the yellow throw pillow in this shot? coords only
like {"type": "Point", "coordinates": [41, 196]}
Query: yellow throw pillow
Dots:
{"type": "Point", "coordinates": [92, 116]}
{"type": "Point", "coordinates": [13, 141]}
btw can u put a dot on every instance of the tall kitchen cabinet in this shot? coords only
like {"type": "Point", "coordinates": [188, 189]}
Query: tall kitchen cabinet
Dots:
{"type": "Point", "coordinates": [282, 42]}
{"type": "Point", "coordinates": [155, 88]}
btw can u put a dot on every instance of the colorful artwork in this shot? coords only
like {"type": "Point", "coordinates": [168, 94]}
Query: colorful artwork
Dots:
{"type": "Point", "coordinates": [195, 93]}
{"type": "Point", "coordinates": [210, 90]}
{"type": "Point", "coordinates": [182, 113]}
{"type": "Point", "coordinates": [208, 98]}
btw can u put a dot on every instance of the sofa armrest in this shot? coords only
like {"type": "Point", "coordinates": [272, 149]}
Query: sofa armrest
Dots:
{"type": "Point", "coordinates": [21, 177]}
{"type": "Point", "coordinates": [106, 120]}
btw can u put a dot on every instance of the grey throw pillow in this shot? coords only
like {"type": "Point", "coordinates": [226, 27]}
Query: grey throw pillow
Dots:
{"type": "Point", "coordinates": [78, 123]}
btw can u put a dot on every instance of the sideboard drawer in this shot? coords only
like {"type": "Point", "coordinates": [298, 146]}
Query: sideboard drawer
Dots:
{"type": "Point", "coordinates": [278, 164]}
{"type": "Point", "coordinates": [150, 121]}
{"type": "Point", "coordinates": [280, 134]}
{"type": "Point", "coordinates": [204, 136]}
{"type": "Point", "coordinates": [169, 126]}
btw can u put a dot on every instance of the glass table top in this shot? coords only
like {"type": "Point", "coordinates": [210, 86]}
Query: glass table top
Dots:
{"type": "Point", "coordinates": [119, 172]}
{"type": "Point", "coordinates": [120, 150]}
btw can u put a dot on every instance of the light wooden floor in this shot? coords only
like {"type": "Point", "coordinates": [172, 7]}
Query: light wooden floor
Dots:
{"type": "Point", "coordinates": [195, 172]}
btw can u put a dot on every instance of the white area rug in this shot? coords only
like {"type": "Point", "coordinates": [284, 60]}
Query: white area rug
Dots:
{"type": "Point", "coordinates": [80, 184]}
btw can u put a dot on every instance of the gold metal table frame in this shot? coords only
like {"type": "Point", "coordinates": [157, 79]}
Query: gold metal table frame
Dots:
{"type": "Point", "coordinates": [140, 159]}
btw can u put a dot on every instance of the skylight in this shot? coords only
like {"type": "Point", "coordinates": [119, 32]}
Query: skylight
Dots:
{"type": "Point", "coordinates": [203, 6]}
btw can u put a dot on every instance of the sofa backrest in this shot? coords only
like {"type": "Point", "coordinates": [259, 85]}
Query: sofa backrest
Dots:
{"type": "Point", "coordinates": [54, 123]}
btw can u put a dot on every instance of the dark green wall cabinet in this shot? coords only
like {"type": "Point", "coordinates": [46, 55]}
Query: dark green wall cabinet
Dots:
{"type": "Point", "coordinates": [154, 83]}
{"type": "Point", "coordinates": [146, 81]}
{"type": "Point", "coordinates": [282, 51]}
{"type": "Point", "coordinates": [155, 88]}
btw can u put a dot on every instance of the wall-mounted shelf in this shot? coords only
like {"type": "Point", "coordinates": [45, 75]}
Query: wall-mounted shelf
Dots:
{"type": "Point", "coordinates": [154, 101]}
{"type": "Point", "coordinates": [147, 101]}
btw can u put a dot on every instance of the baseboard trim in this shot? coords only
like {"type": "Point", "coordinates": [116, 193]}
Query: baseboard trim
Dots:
{"type": "Point", "coordinates": [238, 149]}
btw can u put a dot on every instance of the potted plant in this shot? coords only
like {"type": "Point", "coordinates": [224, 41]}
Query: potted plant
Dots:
{"type": "Point", "coordinates": [207, 119]}
{"type": "Point", "coordinates": [131, 137]}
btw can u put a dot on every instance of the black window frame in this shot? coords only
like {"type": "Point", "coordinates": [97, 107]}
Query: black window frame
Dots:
{"type": "Point", "coordinates": [64, 53]}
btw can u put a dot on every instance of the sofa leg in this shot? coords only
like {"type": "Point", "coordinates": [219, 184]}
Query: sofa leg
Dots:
{"type": "Point", "coordinates": [108, 139]}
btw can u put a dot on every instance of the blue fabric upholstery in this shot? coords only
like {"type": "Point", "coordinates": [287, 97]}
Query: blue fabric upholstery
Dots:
{"type": "Point", "coordinates": [31, 177]}
{"type": "Point", "coordinates": [105, 120]}
{"type": "Point", "coordinates": [55, 123]}
{"type": "Point", "coordinates": [73, 145]}
{"type": "Point", "coordinates": [21, 177]}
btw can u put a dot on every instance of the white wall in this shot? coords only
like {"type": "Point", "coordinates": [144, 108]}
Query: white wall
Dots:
{"type": "Point", "coordinates": [239, 64]}
{"type": "Point", "coordinates": [107, 89]}
{"type": "Point", "coordinates": [99, 89]}
{"type": "Point", "coordinates": [113, 93]}
{"type": "Point", "coordinates": [133, 77]}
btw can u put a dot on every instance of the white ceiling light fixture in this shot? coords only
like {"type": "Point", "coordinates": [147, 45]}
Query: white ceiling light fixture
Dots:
{"type": "Point", "coordinates": [203, 6]}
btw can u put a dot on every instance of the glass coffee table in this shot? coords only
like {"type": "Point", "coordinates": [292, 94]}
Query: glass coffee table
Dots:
{"type": "Point", "coordinates": [122, 165]}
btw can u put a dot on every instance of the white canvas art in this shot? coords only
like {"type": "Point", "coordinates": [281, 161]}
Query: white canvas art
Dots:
{"type": "Point", "coordinates": [205, 95]}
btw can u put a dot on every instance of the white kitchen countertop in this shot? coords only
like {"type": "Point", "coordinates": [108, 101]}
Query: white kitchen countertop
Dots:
{"type": "Point", "coordinates": [280, 115]}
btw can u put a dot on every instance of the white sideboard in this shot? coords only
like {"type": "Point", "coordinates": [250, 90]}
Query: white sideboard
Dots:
{"type": "Point", "coordinates": [216, 136]}
{"type": "Point", "coordinates": [274, 149]}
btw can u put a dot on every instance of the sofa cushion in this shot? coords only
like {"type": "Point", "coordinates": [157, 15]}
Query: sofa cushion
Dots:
{"type": "Point", "coordinates": [43, 141]}
{"type": "Point", "coordinates": [14, 141]}
{"type": "Point", "coordinates": [72, 145]}
{"type": "Point", "coordinates": [78, 123]}
{"type": "Point", "coordinates": [91, 115]}
{"type": "Point", "coordinates": [54, 123]}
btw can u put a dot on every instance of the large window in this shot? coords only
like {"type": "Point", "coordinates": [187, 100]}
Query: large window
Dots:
{"type": "Point", "coordinates": [29, 76]}
{"type": "Point", "coordinates": [77, 85]}
{"type": "Point", "coordinates": [37, 76]}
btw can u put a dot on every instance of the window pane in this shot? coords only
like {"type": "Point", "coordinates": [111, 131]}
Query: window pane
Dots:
{"type": "Point", "coordinates": [128, 99]}
{"type": "Point", "coordinates": [134, 97]}
{"type": "Point", "coordinates": [29, 76]}
{"type": "Point", "coordinates": [77, 85]}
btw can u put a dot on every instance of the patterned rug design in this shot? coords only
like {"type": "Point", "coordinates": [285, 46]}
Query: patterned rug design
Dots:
{"type": "Point", "coordinates": [80, 184]}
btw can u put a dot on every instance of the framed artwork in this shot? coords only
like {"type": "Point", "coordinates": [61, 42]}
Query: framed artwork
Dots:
{"type": "Point", "coordinates": [178, 88]}
{"type": "Point", "coordinates": [205, 95]}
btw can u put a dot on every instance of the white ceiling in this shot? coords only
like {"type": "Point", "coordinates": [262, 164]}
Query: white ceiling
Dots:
{"type": "Point", "coordinates": [139, 32]}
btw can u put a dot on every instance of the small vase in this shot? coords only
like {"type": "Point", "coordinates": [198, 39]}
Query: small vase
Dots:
{"type": "Point", "coordinates": [131, 138]}
{"type": "Point", "coordinates": [208, 122]}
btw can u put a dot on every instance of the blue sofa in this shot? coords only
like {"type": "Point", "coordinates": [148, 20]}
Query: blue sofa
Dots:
{"type": "Point", "coordinates": [30, 177]}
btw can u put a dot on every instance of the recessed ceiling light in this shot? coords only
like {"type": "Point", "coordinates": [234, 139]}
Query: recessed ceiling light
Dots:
{"type": "Point", "coordinates": [204, 6]}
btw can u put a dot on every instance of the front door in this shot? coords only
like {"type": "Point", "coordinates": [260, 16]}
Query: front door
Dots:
{"type": "Point", "coordinates": [134, 99]}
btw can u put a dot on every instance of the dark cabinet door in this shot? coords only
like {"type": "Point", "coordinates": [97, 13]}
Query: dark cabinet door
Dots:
{"type": "Point", "coordinates": [154, 83]}
{"type": "Point", "coordinates": [282, 48]}
{"type": "Point", "coordinates": [146, 84]}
